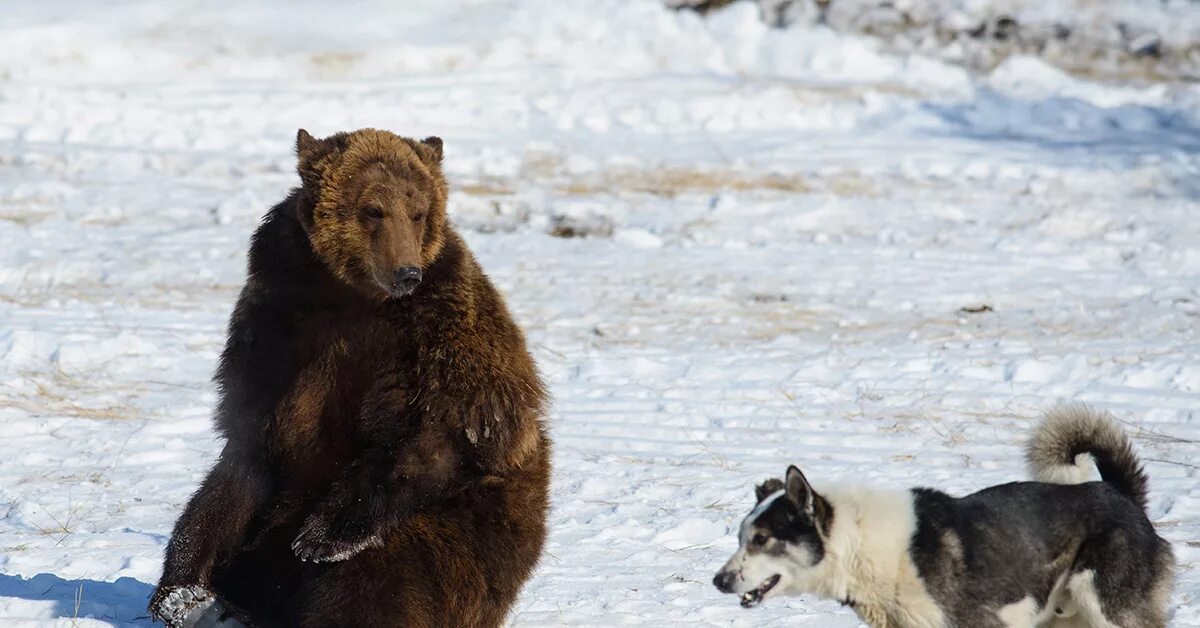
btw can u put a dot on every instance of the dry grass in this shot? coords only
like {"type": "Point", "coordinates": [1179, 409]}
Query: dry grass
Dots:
{"type": "Point", "coordinates": [486, 188]}
{"type": "Point", "coordinates": [673, 181]}
{"type": "Point", "coordinates": [78, 603]}
{"type": "Point", "coordinates": [54, 394]}
{"type": "Point", "coordinates": [27, 212]}
{"type": "Point", "coordinates": [334, 64]}
{"type": "Point", "coordinates": [26, 218]}
{"type": "Point", "coordinates": [61, 529]}
{"type": "Point", "coordinates": [157, 295]}
{"type": "Point", "coordinates": [546, 170]}
{"type": "Point", "coordinates": [851, 185]}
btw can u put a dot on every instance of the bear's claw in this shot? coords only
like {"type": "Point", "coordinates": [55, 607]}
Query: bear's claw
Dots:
{"type": "Point", "coordinates": [314, 543]}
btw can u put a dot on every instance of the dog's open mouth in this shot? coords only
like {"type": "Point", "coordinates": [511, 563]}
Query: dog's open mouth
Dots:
{"type": "Point", "coordinates": [753, 597]}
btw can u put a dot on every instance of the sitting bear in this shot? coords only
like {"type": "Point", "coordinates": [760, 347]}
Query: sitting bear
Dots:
{"type": "Point", "coordinates": [386, 462]}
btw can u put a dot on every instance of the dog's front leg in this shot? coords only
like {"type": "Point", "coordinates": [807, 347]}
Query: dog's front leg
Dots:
{"type": "Point", "coordinates": [873, 616]}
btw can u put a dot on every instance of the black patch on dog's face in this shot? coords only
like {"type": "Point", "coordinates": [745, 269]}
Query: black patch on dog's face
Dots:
{"type": "Point", "coordinates": [781, 524]}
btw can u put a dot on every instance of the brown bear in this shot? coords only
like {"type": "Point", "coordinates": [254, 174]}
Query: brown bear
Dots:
{"type": "Point", "coordinates": [386, 461]}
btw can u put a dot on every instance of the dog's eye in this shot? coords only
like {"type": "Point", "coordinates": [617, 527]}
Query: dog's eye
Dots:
{"type": "Point", "coordinates": [759, 540]}
{"type": "Point", "coordinates": [373, 212]}
{"type": "Point", "coordinates": [418, 217]}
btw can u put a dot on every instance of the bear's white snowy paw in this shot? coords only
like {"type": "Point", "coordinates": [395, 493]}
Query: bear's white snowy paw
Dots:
{"type": "Point", "coordinates": [184, 607]}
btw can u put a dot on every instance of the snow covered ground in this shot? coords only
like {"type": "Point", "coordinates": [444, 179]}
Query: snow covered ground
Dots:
{"type": "Point", "coordinates": [1113, 39]}
{"type": "Point", "coordinates": [733, 248]}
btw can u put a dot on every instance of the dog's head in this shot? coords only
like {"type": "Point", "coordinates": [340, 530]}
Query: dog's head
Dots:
{"type": "Point", "coordinates": [781, 542]}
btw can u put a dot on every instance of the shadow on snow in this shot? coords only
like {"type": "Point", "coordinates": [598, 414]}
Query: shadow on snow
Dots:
{"type": "Point", "coordinates": [122, 602]}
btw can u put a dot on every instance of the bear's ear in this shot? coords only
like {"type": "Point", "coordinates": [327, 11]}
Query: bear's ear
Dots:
{"type": "Point", "coordinates": [310, 152]}
{"type": "Point", "coordinates": [434, 144]}
{"type": "Point", "coordinates": [306, 145]}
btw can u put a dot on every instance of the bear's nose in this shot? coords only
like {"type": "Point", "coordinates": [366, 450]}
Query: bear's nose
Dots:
{"type": "Point", "coordinates": [724, 581]}
{"type": "Point", "coordinates": [407, 279]}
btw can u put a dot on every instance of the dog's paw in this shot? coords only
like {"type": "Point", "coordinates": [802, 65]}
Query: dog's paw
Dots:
{"type": "Point", "coordinates": [180, 606]}
{"type": "Point", "coordinates": [318, 543]}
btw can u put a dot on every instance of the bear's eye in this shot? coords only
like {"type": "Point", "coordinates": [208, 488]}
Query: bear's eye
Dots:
{"type": "Point", "coordinates": [373, 211]}
{"type": "Point", "coordinates": [418, 217]}
{"type": "Point", "coordinates": [759, 540]}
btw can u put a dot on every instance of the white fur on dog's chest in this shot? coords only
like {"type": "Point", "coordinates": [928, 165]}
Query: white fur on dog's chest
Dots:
{"type": "Point", "coordinates": [870, 540]}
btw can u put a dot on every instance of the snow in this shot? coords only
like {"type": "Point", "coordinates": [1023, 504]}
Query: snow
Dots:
{"type": "Point", "coordinates": [1130, 39]}
{"type": "Point", "coordinates": [774, 235]}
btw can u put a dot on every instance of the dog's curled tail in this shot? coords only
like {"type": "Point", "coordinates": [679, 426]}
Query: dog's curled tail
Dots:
{"type": "Point", "coordinates": [1067, 432]}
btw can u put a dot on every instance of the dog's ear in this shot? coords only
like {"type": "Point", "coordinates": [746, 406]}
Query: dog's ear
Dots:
{"type": "Point", "coordinates": [769, 487]}
{"type": "Point", "coordinates": [799, 491]}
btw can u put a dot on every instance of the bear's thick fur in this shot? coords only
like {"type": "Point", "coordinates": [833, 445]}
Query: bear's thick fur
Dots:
{"type": "Point", "coordinates": [386, 462]}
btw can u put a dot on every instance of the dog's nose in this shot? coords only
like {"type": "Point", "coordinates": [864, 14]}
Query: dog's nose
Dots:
{"type": "Point", "coordinates": [407, 279]}
{"type": "Point", "coordinates": [724, 581]}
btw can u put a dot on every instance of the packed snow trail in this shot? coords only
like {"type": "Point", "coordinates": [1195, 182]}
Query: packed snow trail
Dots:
{"type": "Point", "coordinates": [732, 248]}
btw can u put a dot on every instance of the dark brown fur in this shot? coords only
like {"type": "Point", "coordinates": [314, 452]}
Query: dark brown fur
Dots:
{"type": "Point", "coordinates": [404, 431]}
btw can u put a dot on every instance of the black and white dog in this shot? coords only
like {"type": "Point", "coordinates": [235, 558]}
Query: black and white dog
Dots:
{"type": "Point", "coordinates": [1061, 552]}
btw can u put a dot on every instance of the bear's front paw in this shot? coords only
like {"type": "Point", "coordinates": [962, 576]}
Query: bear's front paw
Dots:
{"type": "Point", "coordinates": [178, 606]}
{"type": "Point", "coordinates": [318, 543]}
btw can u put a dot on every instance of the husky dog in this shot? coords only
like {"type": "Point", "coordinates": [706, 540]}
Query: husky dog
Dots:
{"type": "Point", "coordinates": [1060, 552]}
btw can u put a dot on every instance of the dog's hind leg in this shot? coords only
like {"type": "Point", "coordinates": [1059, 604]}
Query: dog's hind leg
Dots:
{"type": "Point", "coordinates": [1083, 598]}
{"type": "Point", "coordinates": [1020, 614]}
{"type": "Point", "coordinates": [1121, 578]}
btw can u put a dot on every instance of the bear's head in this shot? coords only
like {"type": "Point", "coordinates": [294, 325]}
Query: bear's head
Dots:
{"type": "Point", "coordinates": [376, 210]}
